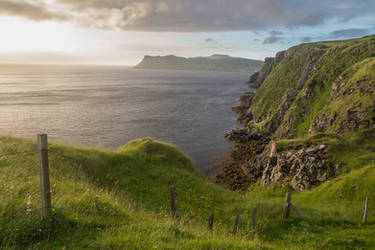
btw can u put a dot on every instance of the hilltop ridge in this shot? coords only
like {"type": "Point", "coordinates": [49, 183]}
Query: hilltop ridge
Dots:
{"type": "Point", "coordinates": [215, 62]}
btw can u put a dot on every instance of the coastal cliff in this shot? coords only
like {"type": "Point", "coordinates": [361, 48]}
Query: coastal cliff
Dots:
{"type": "Point", "coordinates": [314, 103]}
{"type": "Point", "coordinates": [210, 63]}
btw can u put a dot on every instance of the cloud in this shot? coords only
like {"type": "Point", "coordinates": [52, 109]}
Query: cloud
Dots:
{"type": "Point", "coordinates": [276, 33]}
{"type": "Point", "coordinates": [190, 16]}
{"type": "Point", "coordinates": [27, 10]}
{"type": "Point", "coordinates": [210, 40]}
{"type": "Point", "coordinates": [306, 39]}
{"type": "Point", "coordinates": [272, 39]}
{"type": "Point", "coordinates": [347, 33]}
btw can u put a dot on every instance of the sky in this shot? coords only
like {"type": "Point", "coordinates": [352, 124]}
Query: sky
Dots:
{"type": "Point", "coordinates": [121, 32]}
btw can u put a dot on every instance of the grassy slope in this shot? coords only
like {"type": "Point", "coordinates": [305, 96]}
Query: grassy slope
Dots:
{"type": "Point", "coordinates": [336, 61]}
{"type": "Point", "coordinates": [284, 76]}
{"type": "Point", "coordinates": [120, 199]}
{"type": "Point", "coordinates": [359, 73]}
{"type": "Point", "coordinates": [339, 58]}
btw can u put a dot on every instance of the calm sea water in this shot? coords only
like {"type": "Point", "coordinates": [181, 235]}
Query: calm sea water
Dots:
{"type": "Point", "coordinates": [107, 106]}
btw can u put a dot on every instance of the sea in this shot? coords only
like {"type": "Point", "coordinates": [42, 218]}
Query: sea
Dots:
{"type": "Point", "coordinates": [107, 106]}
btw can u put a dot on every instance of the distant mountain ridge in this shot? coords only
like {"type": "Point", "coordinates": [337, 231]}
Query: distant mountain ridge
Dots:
{"type": "Point", "coordinates": [211, 63]}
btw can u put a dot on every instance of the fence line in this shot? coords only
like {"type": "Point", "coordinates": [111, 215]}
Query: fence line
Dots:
{"type": "Point", "coordinates": [46, 193]}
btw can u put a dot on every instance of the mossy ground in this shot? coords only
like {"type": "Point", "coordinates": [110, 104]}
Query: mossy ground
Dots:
{"type": "Point", "coordinates": [120, 200]}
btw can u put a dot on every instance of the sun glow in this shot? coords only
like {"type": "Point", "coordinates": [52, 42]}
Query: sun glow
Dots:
{"type": "Point", "coordinates": [21, 35]}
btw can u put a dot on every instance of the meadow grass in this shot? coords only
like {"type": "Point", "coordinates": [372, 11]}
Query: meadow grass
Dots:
{"type": "Point", "coordinates": [119, 199]}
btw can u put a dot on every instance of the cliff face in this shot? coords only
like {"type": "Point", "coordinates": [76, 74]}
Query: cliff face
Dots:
{"type": "Point", "coordinates": [270, 63]}
{"type": "Point", "coordinates": [310, 89]}
{"type": "Point", "coordinates": [211, 63]}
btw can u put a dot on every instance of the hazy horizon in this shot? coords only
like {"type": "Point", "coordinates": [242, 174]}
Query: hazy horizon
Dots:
{"type": "Point", "coordinates": [119, 65]}
{"type": "Point", "coordinates": [121, 32]}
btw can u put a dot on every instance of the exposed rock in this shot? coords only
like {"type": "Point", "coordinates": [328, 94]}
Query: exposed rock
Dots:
{"type": "Point", "coordinates": [244, 135]}
{"type": "Point", "coordinates": [356, 118]}
{"type": "Point", "coordinates": [253, 79]}
{"type": "Point", "coordinates": [321, 122]}
{"type": "Point", "coordinates": [272, 124]}
{"type": "Point", "coordinates": [235, 175]}
{"type": "Point", "coordinates": [299, 168]}
{"type": "Point", "coordinates": [336, 87]}
{"type": "Point", "coordinates": [309, 69]}
{"type": "Point", "coordinates": [244, 116]}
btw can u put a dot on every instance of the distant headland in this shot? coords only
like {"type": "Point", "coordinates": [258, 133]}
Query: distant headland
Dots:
{"type": "Point", "coordinates": [210, 63]}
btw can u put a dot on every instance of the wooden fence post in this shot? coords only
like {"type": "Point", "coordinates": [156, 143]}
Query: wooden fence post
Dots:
{"type": "Point", "coordinates": [211, 222]}
{"type": "Point", "coordinates": [174, 202]}
{"type": "Point", "coordinates": [236, 222]}
{"type": "Point", "coordinates": [365, 212]}
{"type": "Point", "coordinates": [44, 176]}
{"type": "Point", "coordinates": [287, 207]}
{"type": "Point", "coordinates": [254, 221]}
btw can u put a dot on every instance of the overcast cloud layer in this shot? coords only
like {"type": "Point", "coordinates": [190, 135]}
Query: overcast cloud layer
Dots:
{"type": "Point", "coordinates": [190, 15]}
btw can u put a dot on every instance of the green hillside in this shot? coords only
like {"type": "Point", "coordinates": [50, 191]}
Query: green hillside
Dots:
{"type": "Point", "coordinates": [318, 87]}
{"type": "Point", "coordinates": [322, 90]}
{"type": "Point", "coordinates": [120, 200]}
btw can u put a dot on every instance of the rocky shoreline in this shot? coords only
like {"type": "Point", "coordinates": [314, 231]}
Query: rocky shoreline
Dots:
{"type": "Point", "coordinates": [306, 91]}
{"type": "Point", "coordinates": [255, 157]}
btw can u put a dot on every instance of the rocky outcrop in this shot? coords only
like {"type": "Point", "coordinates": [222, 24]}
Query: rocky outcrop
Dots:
{"type": "Point", "coordinates": [321, 122]}
{"type": "Point", "coordinates": [255, 158]}
{"type": "Point", "coordinates": [357, 117]}
{"type": "Point", "coordinates": [274, 122]}
{"type": "Point", "coordinates": [245, 135]}
{"type": "Point", "coordinates": [234, 174]}
{"type": "Point", "coordinates": [299, 168]}
{"type": "Point", "coordinates": [242, 111]}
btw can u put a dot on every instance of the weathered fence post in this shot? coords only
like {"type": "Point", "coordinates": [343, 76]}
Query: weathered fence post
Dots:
{"type": "Point", "coordinates": [366, 211]}
{"type": "Point", "coordinates": [174, 202]}
{"type": "Point", "coordinates": [254, 221]}
{"type": "Point", "coordinates": [287, 207]}
{"type": "Point", "coordinates": [211, 222]}
{"type": "Point", "coordinates": [44, 176]}
{"type": "Point", "coordinates": [236, 222]}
